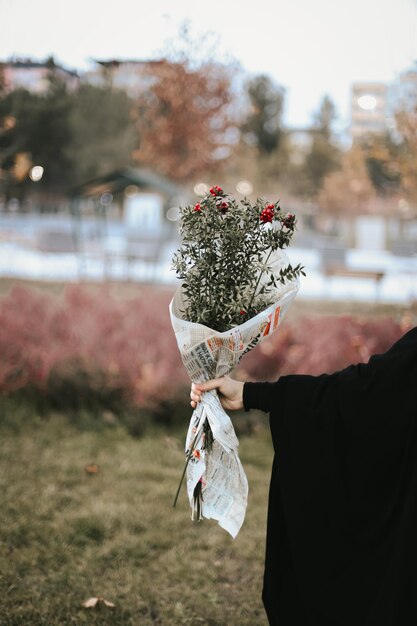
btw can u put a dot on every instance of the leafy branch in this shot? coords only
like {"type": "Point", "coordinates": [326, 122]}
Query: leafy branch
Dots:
{"type": "Point", "coordinates": [226, 257]}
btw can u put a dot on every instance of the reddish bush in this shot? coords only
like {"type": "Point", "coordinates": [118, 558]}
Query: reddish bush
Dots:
{"type": "Point", "coordinates": [319, 345]}
{"type": "Point", "coordinates": [92, 342]}
{"type": "Point", "coordinates": [126, 344]}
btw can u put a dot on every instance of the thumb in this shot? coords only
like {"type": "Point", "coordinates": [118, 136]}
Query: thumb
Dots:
{"type": "Point", "coordinates": [215, 383]}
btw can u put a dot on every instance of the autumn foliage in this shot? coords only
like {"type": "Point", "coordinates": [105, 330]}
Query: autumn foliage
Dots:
{"type": "Point", "coordinates": [93, 343]}
{"type": "Point", "coordinates": [182, 118]}
{"type": "Point", "coordinates": [407, 125]}
{"type": "Point", "coordinates": [116, 344]}
{"type": "Point", "coordinates": [317, 345]}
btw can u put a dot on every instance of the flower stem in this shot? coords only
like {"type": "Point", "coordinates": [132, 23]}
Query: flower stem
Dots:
{"type": "Point", "coordinates": [188, 457]}
{"type": "Point", "coordinates": [258, 281]}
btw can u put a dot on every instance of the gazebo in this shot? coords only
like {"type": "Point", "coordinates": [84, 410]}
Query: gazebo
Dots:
{"type": "Point", "coordinates": [128, 217]}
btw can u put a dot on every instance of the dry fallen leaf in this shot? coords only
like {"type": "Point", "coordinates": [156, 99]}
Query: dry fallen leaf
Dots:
{"type": "Point", "coordinates": [92, 468]}
{"type": "Point", "coordinates": [92, 602]}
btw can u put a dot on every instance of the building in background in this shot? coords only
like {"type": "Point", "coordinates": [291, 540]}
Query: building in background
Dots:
{"type": "Point", "coordinates": [135, 210]}
{"type": "Point", "coordinates": [132, 76]}
{"type": "Point", "coordinates": [34, 75]}
{"type": "Point", "coordinates": [402, 95]}
{"type": "Point", "coordinates": [403, 92]}
{"type": "Point", "coordinates": [368, 109]}
{"type": "Point", "coordinates": [374, 105]}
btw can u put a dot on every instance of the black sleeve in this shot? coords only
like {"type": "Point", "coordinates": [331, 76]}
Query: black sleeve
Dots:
{"type": "Point", "coordinates": [260, 395]}
{"type": "Point", "coordinates": [268, 397]}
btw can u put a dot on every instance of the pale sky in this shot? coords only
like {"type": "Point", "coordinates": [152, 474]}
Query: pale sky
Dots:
{"type": "Point", "coordinates": [311, 47]}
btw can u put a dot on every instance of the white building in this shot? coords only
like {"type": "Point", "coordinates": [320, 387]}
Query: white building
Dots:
{"type": "Point", "coordinates": [34, 75]}
{"type": "Point", "coordinates": [368, 109]}
{"type": "Point", "coordinates": [132, 76]}
{"type": "Point", "coordinates": [374, 104]}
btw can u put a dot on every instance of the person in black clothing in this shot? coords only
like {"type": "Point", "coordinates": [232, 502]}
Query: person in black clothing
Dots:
{"type": "Point", "coordinates": [341, 546]}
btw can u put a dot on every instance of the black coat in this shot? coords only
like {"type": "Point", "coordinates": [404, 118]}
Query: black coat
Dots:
{"type": "Point", "coordinates": [341, 544]}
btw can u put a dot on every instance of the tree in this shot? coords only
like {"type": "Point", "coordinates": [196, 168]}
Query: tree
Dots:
{"type": "Point", "coordinates": [381, 155]}
{"type": "Point", "coordinates": [263, 125]}
{"type": "Point", "coordinates": [349, 190]}
{"type": "Point", "coordinates": [324, 156]}
{"type": "Point", "coordinates": [39, 135]}
{"type": "Point", "coordinates": [407, 155]}
{"type": "Point", "coordinates": [52, 134]}
{"type": "Point", "coordinates": [324, 118]}
{"type": "Point", "coordinates": [102, 132]}
{"type": "Point", "coordinates": [2, 80]}
{"type": "Point", "coordinates": [74, 136]}
{"type": "Point", "coordinates": [183, 118]}
{"type": "Point", "coordinates": [391, 158]}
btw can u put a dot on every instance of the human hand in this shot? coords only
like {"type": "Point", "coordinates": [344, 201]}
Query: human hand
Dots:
{"type": "Point", "coordinates": [230, 392]}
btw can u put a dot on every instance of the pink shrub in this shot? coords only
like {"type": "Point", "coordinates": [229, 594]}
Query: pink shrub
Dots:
{"type": "Point", "coordinates": [129, 345]}
{"type": "Point", "coordinates": [129, 342]}
{"type": "Point", "coordinates": [316, 345]}
{"type": "Point", "coordinates": [268, 359]}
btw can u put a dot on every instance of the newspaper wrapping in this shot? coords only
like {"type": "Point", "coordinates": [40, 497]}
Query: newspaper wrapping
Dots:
{"type": "Point", "coordinates": [207, 354]}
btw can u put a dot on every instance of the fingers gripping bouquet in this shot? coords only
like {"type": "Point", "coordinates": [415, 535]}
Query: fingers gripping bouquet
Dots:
{"type": "Point", "coordinates": [236, 287]}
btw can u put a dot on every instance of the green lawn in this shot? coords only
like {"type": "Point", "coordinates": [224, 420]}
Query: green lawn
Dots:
{"type": "Point", "coordinates": [67, 535]}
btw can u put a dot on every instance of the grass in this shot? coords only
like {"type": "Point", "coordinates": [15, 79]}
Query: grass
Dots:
{"type": "Point", "coordinates": [66, 535]}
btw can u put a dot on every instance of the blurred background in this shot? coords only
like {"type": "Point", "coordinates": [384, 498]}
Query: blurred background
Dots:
{"type": "Point", "coordinates": [109, 122]}
{"type": "Point", "coordinates": [110, 119]}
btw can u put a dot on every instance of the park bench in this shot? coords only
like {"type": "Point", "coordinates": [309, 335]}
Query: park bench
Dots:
{"type": "Point", "coordinates": [350, 272]}
{"type": "Point", "coordinates": [143, 251]}
{"type": "Point", "coordinates": [333, 264]}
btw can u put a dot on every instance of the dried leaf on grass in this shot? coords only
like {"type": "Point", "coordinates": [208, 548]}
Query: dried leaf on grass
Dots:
{"type": "Point", "coordinates": [92, 602]}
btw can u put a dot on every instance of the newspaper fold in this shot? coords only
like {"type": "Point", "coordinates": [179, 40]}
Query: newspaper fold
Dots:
{"type": "Point", "coordinates": [207, 354]}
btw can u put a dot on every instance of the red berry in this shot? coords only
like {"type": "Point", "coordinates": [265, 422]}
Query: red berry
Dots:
{"type": "Point", "coordinates": [267, 215]}
{"type": "Point", "coordinates": [289, 220]}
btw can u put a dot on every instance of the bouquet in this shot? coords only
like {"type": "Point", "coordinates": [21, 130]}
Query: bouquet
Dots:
{"type": "Point", "coordinates": [237, 285]}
